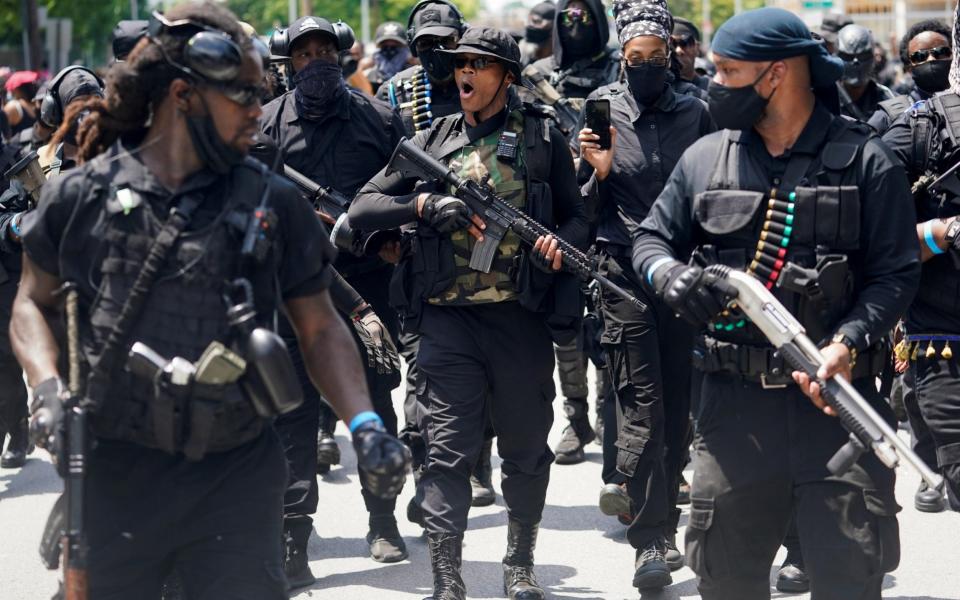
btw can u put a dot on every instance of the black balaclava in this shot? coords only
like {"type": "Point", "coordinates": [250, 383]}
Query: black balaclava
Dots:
{"type": "Point", "coordinates": [320, 86]}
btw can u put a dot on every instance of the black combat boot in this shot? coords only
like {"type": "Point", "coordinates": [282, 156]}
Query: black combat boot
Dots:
{"type": "Point", "coordinates": [414, 512]}
{"type": "Point", "coordinates": [18, 448]}
{"type": "Point", "coordinates": [927, 499]}
{"type": "Point", "coordinates": [386, 543]}
{"type": "Point", "coordinates": [519, 582]}
{"type": "Point", "coordinates": [445, 552]}
{"type": "Point", "coordinates": [328, 452]}
{"type": "Point", "coordinates": [296, 565]}
{"type": "Point", "coordinates": [481, 481]}
{"type": "Point", "coordinates": [791, 577]}
{"type": "Point", "coordinates": [577, 434]}
{"type": "Point", "coordinates": [652, 571]}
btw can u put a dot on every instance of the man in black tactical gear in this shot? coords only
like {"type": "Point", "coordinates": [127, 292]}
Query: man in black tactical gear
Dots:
{"type": "Point", "coordinates": [924, 139]}
{"type": "Point", "coordinates": [427, 91]}
{"type": "Point", "coordinates": [685, 42]}
{"type": "Point", "coordinates": [860, 94]}
{"type": "Point", "coordinates": [829, 27]}
{"type": "Point", "coordinates": [337, 137]}
{"type": "Point", "coordinates": [419, 95]}
{"type": "Point", "coordinates": [581, 60]}
{"type": "Point", "coordinates": [648, 351]}
{"type": "Point", "coordinates": [926, 53]}
{"type": "Point", "coordinates": [14, 204]}
{"type": "Point", "coordinates": [391, 56]}
{"type": "Point", "coordinates": [485, 345]}
{"type": "Point", "coordinates": [538, 35]}
{"type": "Point", "coordinates": [181, 249]}
{"type": "Point", "coordinates": [818, 210]}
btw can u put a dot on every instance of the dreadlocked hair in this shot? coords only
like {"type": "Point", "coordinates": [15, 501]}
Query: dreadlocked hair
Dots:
{"type": "Point", "coordinates": [135, 87]}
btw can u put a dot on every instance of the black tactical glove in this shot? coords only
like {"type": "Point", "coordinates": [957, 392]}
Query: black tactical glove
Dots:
{"type": "Point", "coordinates": [381, 351]}
{"type": "Point", "coordinates": [692, 293]}
{"type": "Point", "coordinates": [15, 198]}
{"type": "Point", "coordinates": [446, 214]}
{"type": "Point", "coordinates": [46, 410]}
{"type": "Point", "coordinates": [382, 460]}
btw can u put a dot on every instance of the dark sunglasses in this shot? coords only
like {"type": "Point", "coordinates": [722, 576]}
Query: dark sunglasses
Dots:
{"type": "Point", "coordinates": [682, 42]}
{"type": "Point", "coordinates": [856, 58]}
{"type": "Point", "coordinates": [572, 16]}
{"type": "Point", "coordinates": [938, 53]}
{"type": "Point", "coordinates": [244, 95]}
{"type": "Point", "coordinates": [478, 64]}
{"type": "Point", "coordinates": [210, 54]}
{"type": "Point", "coordinates": [432, 42]}
{"type": "Point", "coordinates": [657, 61]}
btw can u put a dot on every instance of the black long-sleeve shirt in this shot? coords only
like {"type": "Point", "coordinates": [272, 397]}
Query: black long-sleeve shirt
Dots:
{"type": "Point", "coordinates": [650, 141]}
{"type": "Point", "coordinates": [886, 264]}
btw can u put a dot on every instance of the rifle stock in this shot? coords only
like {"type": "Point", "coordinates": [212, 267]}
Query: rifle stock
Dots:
{"type": "Point", "coordinates": [868, 430]}
{"type": "Point", "coordinates": [75, 414]}
{"type": "Point", "coordinates": [499, 216]}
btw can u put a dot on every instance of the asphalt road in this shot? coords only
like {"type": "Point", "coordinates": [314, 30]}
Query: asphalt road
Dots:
{"type": "Point", "coordinates": [581, 553]}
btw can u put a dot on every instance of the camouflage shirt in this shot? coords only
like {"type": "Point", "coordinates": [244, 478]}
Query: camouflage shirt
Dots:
{"type": "Point", "coordinates": [478, 161]}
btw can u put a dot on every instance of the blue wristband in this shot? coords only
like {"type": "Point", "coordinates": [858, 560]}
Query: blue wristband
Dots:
{"type": "Point", "coordinates": [14, 226]}
{"type": "Point", "coordinates": [364, 417]}
{"type": "Point", "coordinates": [928, 238]}
{"type": "Point", "coordinates": [652, 269]}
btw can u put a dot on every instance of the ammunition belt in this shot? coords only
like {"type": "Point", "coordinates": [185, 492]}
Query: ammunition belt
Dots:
{"type": "Point", "coordinates": [911, 346]}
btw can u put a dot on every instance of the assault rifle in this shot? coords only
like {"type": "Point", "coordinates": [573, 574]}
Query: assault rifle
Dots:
{"type": "Point", "coordinates": [499, 217]}
{"type": "Point", "coordinates": [332, 207]}
{"type": "Point", "coordinates": [868, 430]}
{"type": "Point", "coordinates": [65, 531]}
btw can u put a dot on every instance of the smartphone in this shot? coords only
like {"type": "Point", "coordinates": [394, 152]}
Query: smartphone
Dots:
{"type": "Point", "coordinates": [597, 117]}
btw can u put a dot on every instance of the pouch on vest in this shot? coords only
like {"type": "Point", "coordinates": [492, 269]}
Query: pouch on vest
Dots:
{"type": "Point", "coordinates": [828, 216]}
{"type": "Point", "coordinates": [729, 213]}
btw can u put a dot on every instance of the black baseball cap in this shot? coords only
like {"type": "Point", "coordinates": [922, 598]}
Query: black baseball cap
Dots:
{"type": "Point", "coordinates": [126, 35]}
{"type": "Point", "coordinates": [436, 18]}
{"type": "Point", "coordinates": [390, 31]}
{"type": "Point", "coordinates": [683, 27]}
{"type": "Point", "coordinates": [489, 41]}
{"type": "Point", "coordinates": [77, 83]}
{"type": "Point", "coordinates": [307, 25]}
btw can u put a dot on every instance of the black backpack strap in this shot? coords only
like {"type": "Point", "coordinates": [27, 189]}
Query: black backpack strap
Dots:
{"type": "Point", "coordinates": [721, 177]}
{"type": "Point", "coordinates": [923, 128]}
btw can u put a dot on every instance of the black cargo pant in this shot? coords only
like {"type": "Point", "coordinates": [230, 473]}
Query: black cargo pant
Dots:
{"type": "Point", "coordinates": [649, 364]}
{"type": "Point", "coordinates": [475, 361]}
{"type": "Point", "coordinates": [13, 392]}
{"type": "Point", "coordinates": [760, 458]}
{"type": "Point", "coordinates": [922, 438]}
{"type": "Point", "coordinates": [298, 429]}
{"type": "Point", "coordinates": [217, 521]}
{"type": "Point", "coordinates": [936, 383]}
{"type": "Point", "coordinates": [410, 434]}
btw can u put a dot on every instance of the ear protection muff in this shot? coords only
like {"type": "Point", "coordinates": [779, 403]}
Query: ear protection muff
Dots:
{"type": "Point", "coordinates": [51, 109]}
{"type": "Point", "coordinates": [412, 32]}
{"type": "Point", "coordinates": [342, 33]}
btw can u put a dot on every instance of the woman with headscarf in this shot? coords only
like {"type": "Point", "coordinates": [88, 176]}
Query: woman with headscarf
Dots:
{"type": "Point", "coordinates": [648, 350]}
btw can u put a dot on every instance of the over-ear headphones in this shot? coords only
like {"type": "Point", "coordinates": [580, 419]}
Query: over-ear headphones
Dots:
{"type": "Point", "coordinates": [51, 108]}
{"type": "Point", "coordinates": [341, 32]}
{"type": "Point", "coordinates": [410, 29]}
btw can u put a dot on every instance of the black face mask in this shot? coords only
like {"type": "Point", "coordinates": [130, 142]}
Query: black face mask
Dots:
{"type": "Point", "coordinates": [535, 35]}
{"type": "Point", "coordinates": [736, 108]}
{"type": "Point", "coordinates": [932, 76]}
{"type": "Point", "coordinates": [646, 82]}
{"type": "Point", "coordinates": [319, 88]}
{"type": "Point", "coordinates": [439, 67]}
{"type": "Point", "coordinates": [219, 156]}
{"type": "Point", "coordinates": [579, 40]}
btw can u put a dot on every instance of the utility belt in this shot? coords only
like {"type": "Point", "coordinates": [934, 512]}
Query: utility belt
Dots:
{"type": "Point", "coordinates": [927, 345]}
{"type": "Point", "coordinates": [764, 365]}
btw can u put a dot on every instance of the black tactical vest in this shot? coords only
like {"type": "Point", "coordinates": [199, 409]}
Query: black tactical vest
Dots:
{"type": "Point", "coordinates": [809, 220]}
{"type": "Point", "coordinates": [184, 312]}
{"type": "Point", "coordinates": [428, 267]}
{"type": "Point", "coordinates": [935, 127]}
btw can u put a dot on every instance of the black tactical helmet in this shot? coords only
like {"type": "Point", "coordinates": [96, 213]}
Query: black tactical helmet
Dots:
{"type": "Point", "coordinates": [855, 48]}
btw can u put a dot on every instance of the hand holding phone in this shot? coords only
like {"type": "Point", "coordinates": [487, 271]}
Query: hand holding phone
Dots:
{"type": "Point", "coordinates": [597, 118]}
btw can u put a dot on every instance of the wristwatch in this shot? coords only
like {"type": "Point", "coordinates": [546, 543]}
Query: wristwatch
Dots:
{"type": "Point", "coordinates": [841, 338]}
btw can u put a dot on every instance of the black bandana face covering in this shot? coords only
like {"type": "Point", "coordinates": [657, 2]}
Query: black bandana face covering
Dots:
{"type": "Point", "coordinates": [737, 108]}
{"type": "Point", "coordinates": [932, 76]}
{"type": "Point", "coordinates": [219, 156]}
{"type": "Point", "coordinates": [439, 67]}
{"type": "Point", "coordinates": [319, 86]}
{"type": "Point", "coordinates": [646, 82]}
